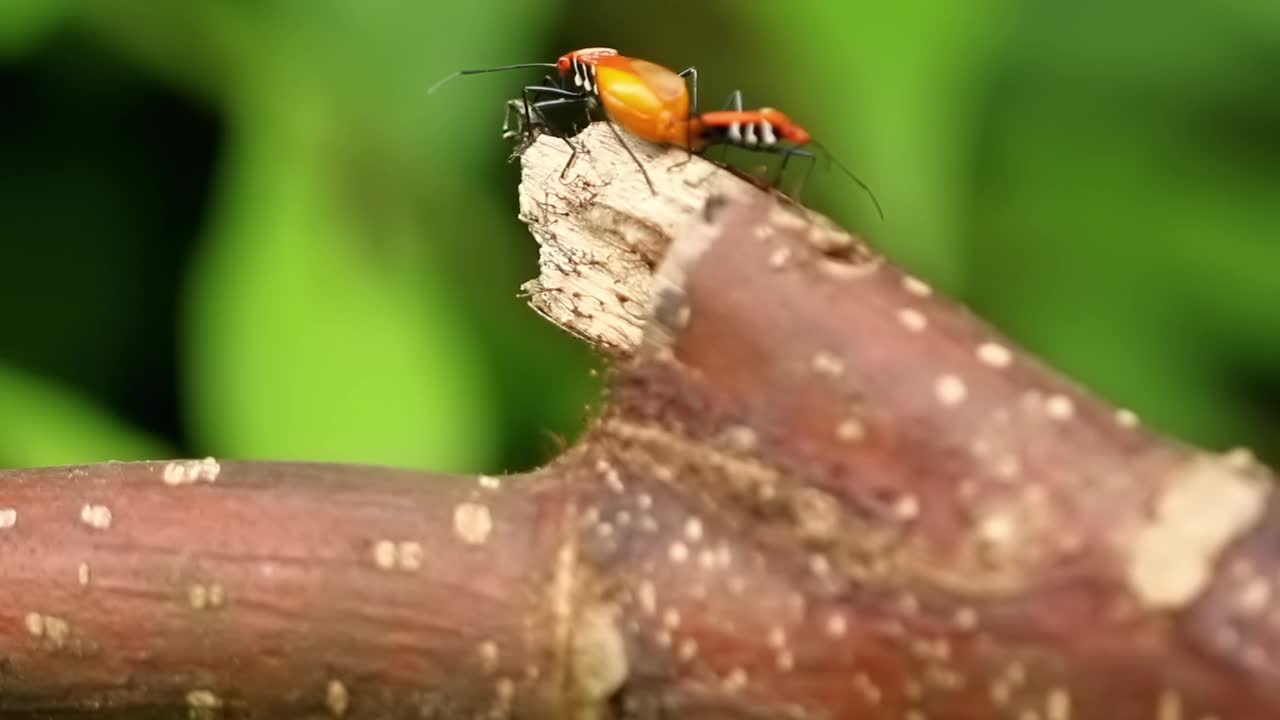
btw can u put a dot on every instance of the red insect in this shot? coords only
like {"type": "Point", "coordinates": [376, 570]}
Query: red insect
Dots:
{"type": "Point", "coordinates": [644, 98]}
{"type": "Point", "coordinates": [763, 130]}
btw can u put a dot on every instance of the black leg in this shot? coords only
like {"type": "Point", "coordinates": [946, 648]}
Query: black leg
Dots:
{"type": "Point", "coordinates": [692, 74]}
{"type": "Point", "coordinates": [553, 102]}
{"type": "Point", "coordinates": [533, 93]}
{"type": "Point", "coordinates": [617, 135]}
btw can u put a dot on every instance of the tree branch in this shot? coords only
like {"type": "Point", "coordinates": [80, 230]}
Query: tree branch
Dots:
{"type": "Point", "coordinates": [819, 490]}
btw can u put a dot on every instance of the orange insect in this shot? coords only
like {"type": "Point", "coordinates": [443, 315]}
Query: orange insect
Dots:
{"type": "Point", "coordinates": [644, 98]}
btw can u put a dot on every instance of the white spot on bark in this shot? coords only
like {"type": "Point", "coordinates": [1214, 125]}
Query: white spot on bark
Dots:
{"type": "Point", "coordinates": [1169, 706]}
{"type": "Point", "coordinates": [741, 438]}
{"type": "Point", "coordinates": [51, 628]}
{"type": "Point", "coordinates": [1126, 418]}
{"type": "Point", "coordinates": [827, 363]}
{"type": "Point", "coordinates": [836, 625]}
{"type": "Point", "coordinates": [384, 554]}
{"type": "Point", "coordinates": [1202, 508]}
{"type": "Point", "coordinates": [778, 258]}
{"type": "Point", "coordinates": [8, 518]}
{"type": "Point", "coordinates": [82, 574]}
{"type": "Point", "coordinates": [785, 660]}
{"type": "Point", "coordinates": [612, 478]}
{"type": "Point", "coordinates": [994, 355]}
{"type": "Point", "coordinates": [1059, 407]}
{"type": "Point", "coordinates": [966, 618]}
{"type": "Point", "coordinates": [648, 597]}
{"type": "Point", "coordinates": [916, 286]}
{"type": "Point", "coordinates": [409, 555]}
{"type": "Point", "coordinates": [867, 688]}
{"type": "Point", "coordinates": [488, 656]}
{"type": "Point", "coordinates": [671, 618]}
{"type": "Point", "coordinates": [1254, 596]}
{"type": "Point", "coordinates": [735, 680]}
{"type": "Point", "coordinates": [96, 516]}
{"type": "Point", "coordinates": [678, 552]}
{"type": "Point", "coordinates": [1057, 706]}
{"type": "Point", "coordinates": [489, 482]}
{"type": "Point", "coordinates": [472, 523]}
{"type": "Point", "coordinates": [913, 319]}
{"type": "Point", "coordinates": [850, 430]}
{"type": "Point", "coordinates": [906, 508]}
{"type": "Point", "coordinates": [688, 649]}
{"type": "Point", "coordinates": [693, 529]}
{"type": "Point", "coordinates": [950, 390]}
{"type": "Point", "coordinates": [1240, 459]}
{"type": "Point", "coordinates": [777, 637]}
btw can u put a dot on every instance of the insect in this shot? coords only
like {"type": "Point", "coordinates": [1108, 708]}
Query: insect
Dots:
{"type": "Point", "coordinates": [644, 98]}
{"type": "Point", "coordinates": [763, 130]}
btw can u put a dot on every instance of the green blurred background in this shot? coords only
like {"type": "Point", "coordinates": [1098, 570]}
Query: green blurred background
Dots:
{"type": "Point", "coordinates": [243, 228]}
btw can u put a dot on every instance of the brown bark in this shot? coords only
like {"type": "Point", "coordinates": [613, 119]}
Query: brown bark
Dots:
{"type": "Point", "coordinates": [818, 490]}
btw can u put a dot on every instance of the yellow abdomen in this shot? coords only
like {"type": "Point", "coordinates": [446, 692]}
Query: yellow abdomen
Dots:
{"type": "Point", "coordinates": [647, 100]}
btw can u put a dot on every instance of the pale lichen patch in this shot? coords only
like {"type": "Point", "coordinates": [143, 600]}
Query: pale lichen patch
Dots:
{"type": "Point", "coordinates": [404, 555]}
{"type": "Point", "coordinates": [817, 514]}
{"type": "Point", "coordinates": [597, 658]}
{"type": "Point", "coordinates": [472, 523]}
{"type": "Point", "coordinates": [8, 518]}
{"type": "Point", "coordinates": [96, 516]}
{"type": "Point", "coordinates": [203, 597]}
{"type": "Point", "coordinates": [203, 704]}
{"type": "Point", "coordinates": [336, 698]}
{"type": "Point", "coordinates": [1201, 509]}
{"type": "Point", "coordinates": [188, 472]}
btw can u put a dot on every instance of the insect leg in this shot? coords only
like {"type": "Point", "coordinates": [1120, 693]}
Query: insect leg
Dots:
{"type": "Point", "coordinates": [618, 136]}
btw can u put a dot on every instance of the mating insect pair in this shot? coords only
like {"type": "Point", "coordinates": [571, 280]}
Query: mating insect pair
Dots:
{"type": "Point", "coordinates": [653, 103]}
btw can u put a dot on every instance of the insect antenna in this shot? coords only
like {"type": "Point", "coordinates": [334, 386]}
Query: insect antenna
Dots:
{"type": "Point", "coordinates": [477, 71]}
{"type": "Point", "coordinates": [831, 159]}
